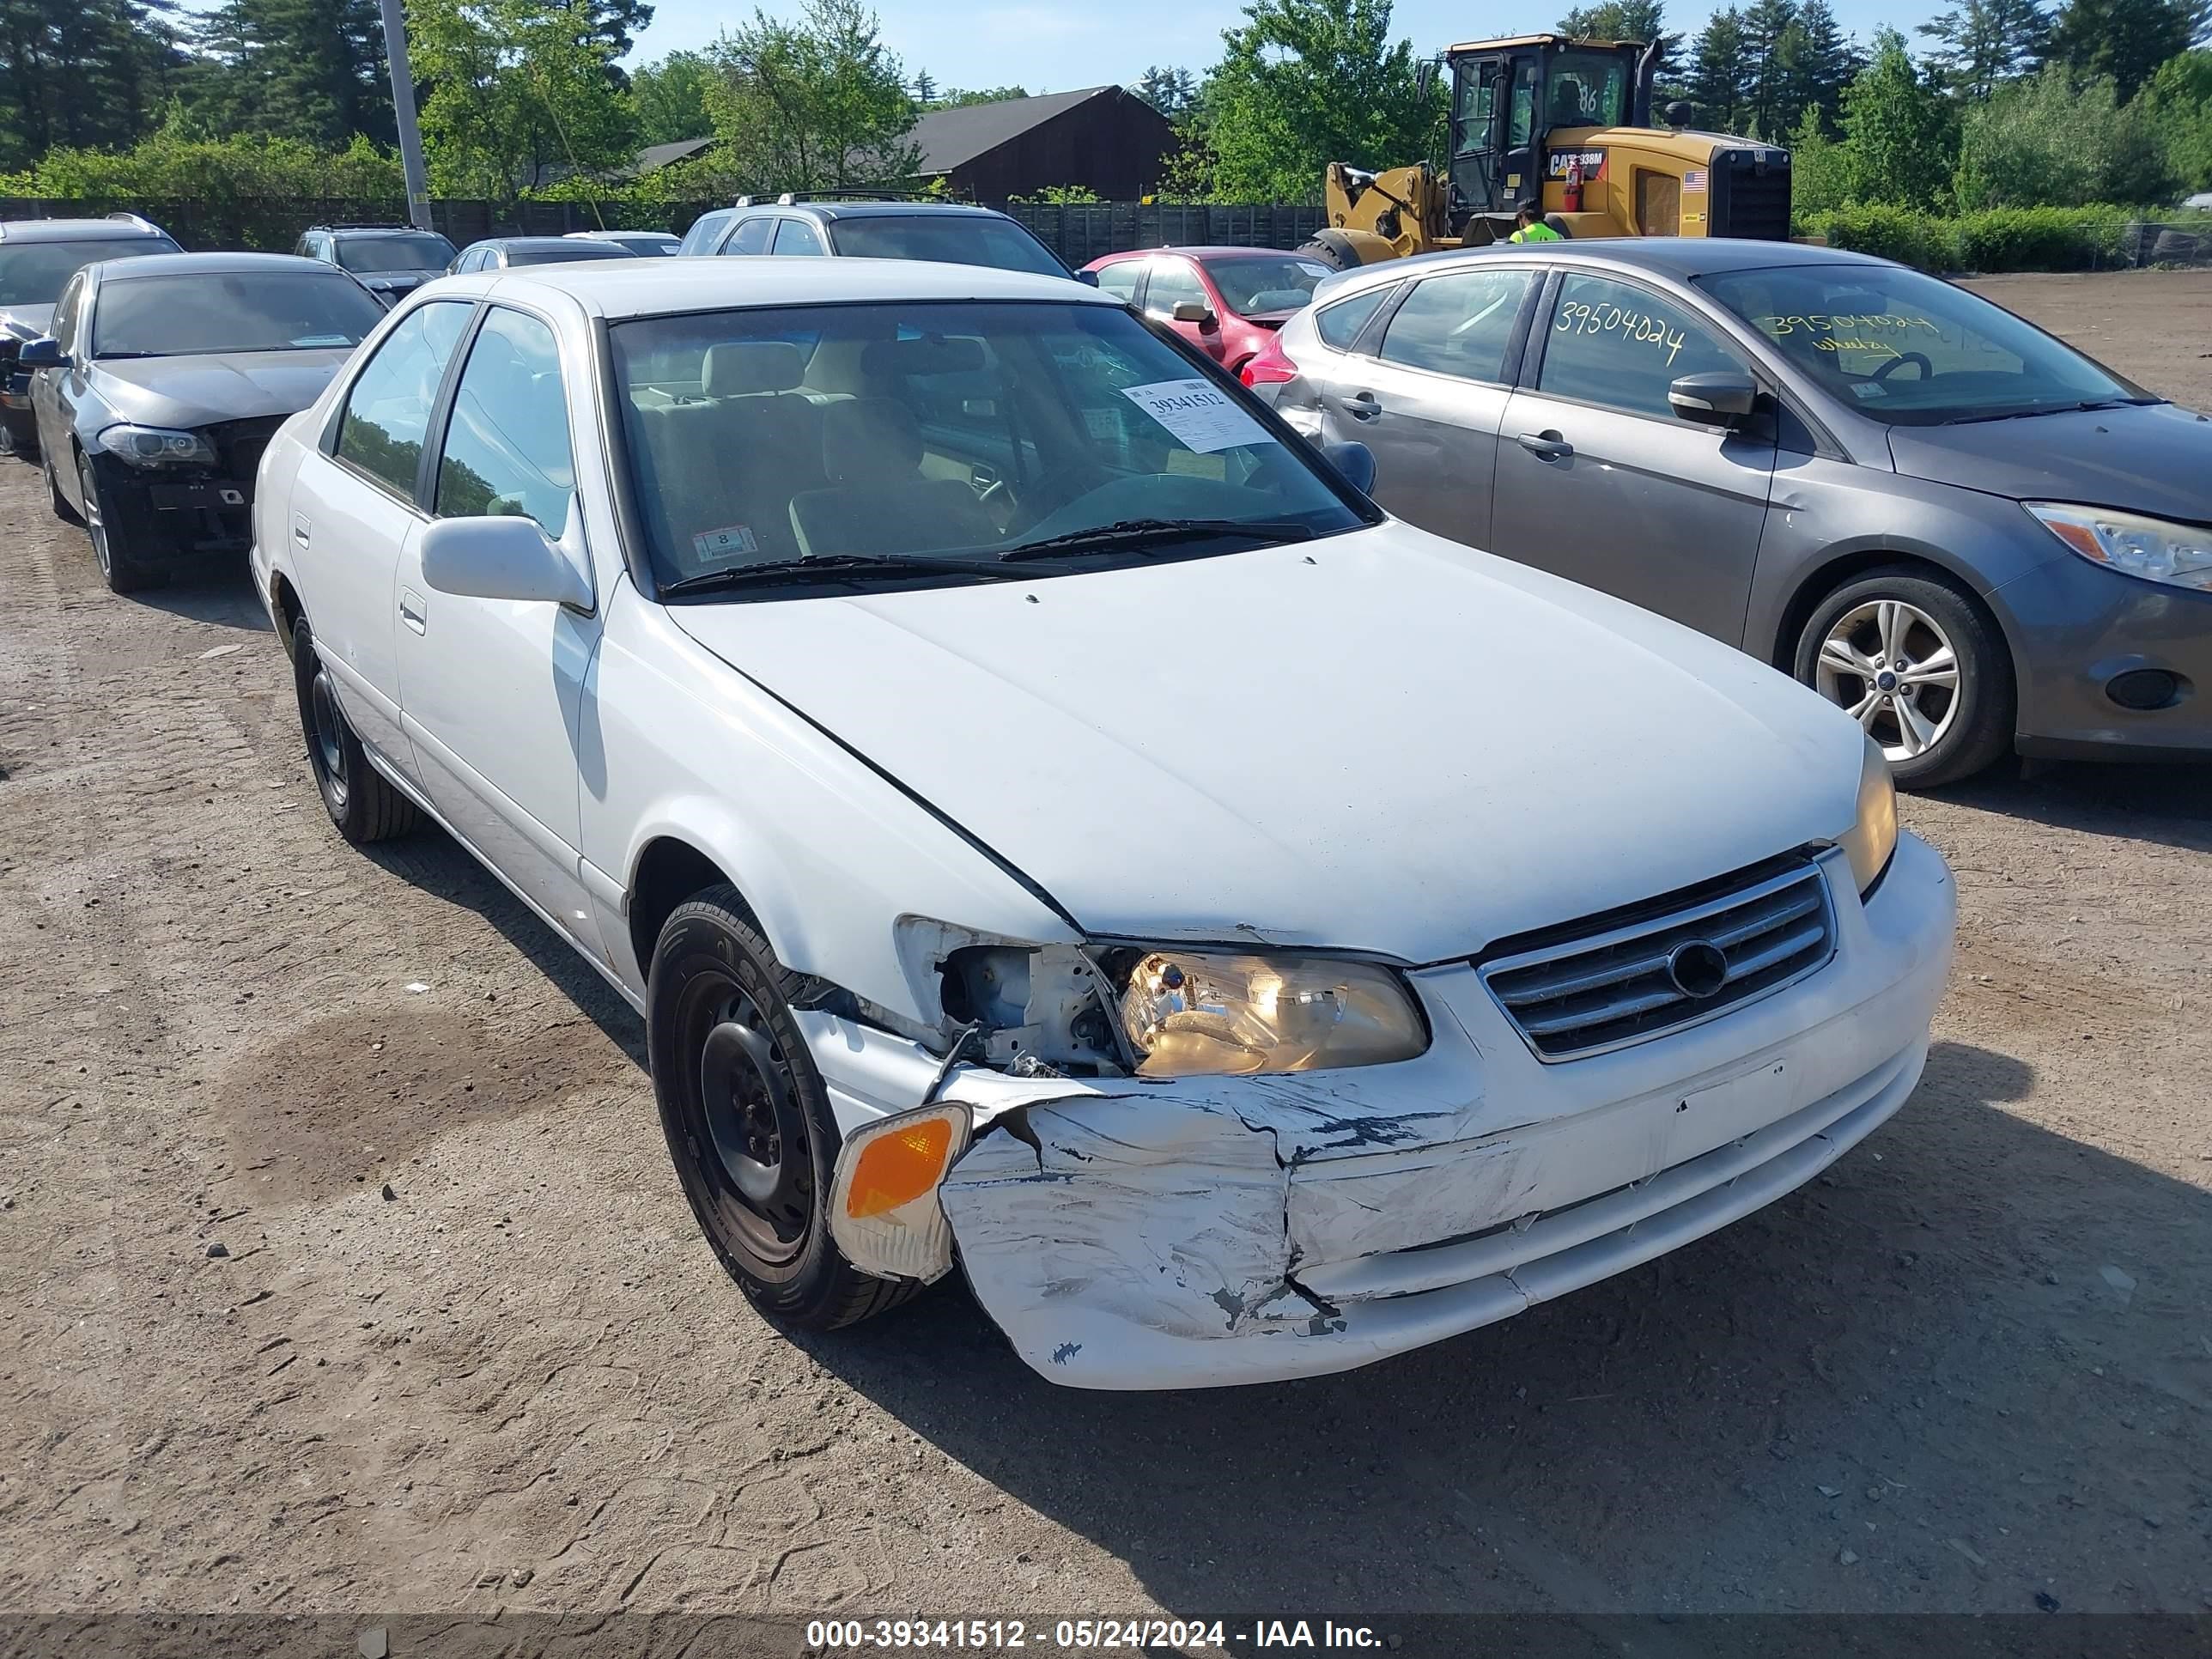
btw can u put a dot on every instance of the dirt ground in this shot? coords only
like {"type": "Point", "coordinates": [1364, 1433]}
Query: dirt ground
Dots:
{"type": "Point", "coordinates": [465, 1350]}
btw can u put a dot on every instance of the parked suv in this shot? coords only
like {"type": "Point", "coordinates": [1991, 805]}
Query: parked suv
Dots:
{"type": "Point", "coordinates": [37, 257]}
{"type": "Point", "coordinates": [950, 232]}
{"type": "Point", "coordinates": [389, 259]}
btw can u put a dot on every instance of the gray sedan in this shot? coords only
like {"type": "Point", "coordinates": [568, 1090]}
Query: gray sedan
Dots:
{"type": "Point", "coordinates": [1968, 534]}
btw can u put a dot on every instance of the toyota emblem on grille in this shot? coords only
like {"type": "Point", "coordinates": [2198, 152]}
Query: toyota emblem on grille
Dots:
{"type": "Point", "coordinates": [1698, 968]}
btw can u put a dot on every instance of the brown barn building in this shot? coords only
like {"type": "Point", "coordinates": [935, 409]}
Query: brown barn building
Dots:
{"type": "Point", "coordinates": [1102, 137]}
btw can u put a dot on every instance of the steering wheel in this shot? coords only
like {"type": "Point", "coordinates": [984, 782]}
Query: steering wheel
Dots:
{"type": "Point", "coordinates": [1927, 368]}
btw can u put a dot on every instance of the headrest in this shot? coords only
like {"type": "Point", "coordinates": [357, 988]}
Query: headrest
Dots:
{"type": "Point", "coordinates": [739, 367]}
{"type": "Point", "coordinates": [933, 356]}
{"type": "Point", "coordinates": [869, 437]}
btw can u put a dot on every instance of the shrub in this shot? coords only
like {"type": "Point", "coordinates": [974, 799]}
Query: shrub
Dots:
{"type": "Point", "coordinates": [1904, 234]}
{"type": "Point", "coordinates": [2047, 141]}
{"type": "Point", "coordinates": [2040, 239]}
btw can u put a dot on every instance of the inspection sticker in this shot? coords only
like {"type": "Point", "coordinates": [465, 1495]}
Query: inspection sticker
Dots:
{"type": "Point", "coordinates": [1199, 413]}
{"type": "Point", "coordinates": [720, 546]}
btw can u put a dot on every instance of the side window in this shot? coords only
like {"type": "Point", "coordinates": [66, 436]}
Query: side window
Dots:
{"type": "Point", "coordinates": [387, 412]}
{"type": "Point", "coordinates": [1339, 325]}
{"type": "Point", "coordinates": [1621, 346]}
{"type": "Point", "coordinates": [751, 236]}
{"type": "Point", "coordinates": [1173, 283]}
{"type": "Point", "coordinates": [65, 315]}
{"type": "Point", "coordinates": [795, 236]}
{"type": "Point", "coordinates": [1523, 121]}
{"type": "Point", "coordinates": [1120, 279]}
{"type": "Point", "coordinates": [506, 449]}
{"type": "Point", "coordinates": [1459, 324]}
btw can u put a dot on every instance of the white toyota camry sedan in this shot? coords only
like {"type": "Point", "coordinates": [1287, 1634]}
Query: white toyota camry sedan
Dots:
{"type": "Point", "coordinates": [1052, 822]}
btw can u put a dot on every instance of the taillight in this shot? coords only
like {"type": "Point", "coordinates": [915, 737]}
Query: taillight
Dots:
{"type": "Point", "coordinates": [1269, 366]}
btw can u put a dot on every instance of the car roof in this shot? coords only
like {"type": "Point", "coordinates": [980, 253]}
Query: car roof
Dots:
{"type": "Point", "coordinates": [618, 288]}
{"type": "Point", "coordinates": [1679, 257]}
{"type": "Point", "coordinates": [79, 230]}
{"type": "Point", "coordinates": [373, 230]}
{"type": "Point", "coordinates": [877, 209]}
{"type": "Point", "coordinates": [212, 264]}
{"type": "Point", "coordinates": [1224, 252]}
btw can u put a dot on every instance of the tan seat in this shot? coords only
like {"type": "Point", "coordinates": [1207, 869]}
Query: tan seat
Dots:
{"type": "Point", "coordinates": [876, 501]}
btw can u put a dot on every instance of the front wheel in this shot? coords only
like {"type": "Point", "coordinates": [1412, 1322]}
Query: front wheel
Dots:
{"type": "Point", "coordinates": [1920, 667]}
{"type": "Point", "coordinates": [748, 1121]}
{"type": "Point", "coordinates": [112, 545]}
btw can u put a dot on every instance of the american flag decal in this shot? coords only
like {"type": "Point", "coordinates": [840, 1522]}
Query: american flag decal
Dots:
{"type": "Point", "coordinates": [1694, 178]}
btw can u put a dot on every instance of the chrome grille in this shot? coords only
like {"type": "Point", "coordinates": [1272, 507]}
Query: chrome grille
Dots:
{"type": "Point", "coordinates": [1614, 981]}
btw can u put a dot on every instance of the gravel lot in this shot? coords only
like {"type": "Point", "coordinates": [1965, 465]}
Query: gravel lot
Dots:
{"type": "Point", "coordinates": [465, 1350]}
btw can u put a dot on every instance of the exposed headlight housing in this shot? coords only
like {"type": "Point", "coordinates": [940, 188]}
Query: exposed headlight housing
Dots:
{"type": "Point", "coordinates": [2156, 550]}
{"type": "Point", "coordinates": [1191, 1013]}
{"type": "Point", "coordinates": [1873, 839]}
{"type": "Point", "coordinates": [157, 446]}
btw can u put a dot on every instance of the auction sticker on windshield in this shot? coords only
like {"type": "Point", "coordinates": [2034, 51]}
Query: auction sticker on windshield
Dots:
{"type": "Point", "coordinates": [1199, 415]}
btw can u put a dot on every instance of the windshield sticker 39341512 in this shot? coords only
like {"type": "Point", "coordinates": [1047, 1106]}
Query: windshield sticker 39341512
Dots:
{"type": "Point", "coordinates": [1200, 416]}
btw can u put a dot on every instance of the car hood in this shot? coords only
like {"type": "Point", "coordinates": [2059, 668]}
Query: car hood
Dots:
{"type": "Point", "coordinates": [1380, 741]}
{"type": "Point", "coordinates": [26, 322]}
{"type": "Point", "coordinates": [188, 392]}
{"type": "Point", "coordinates": [2151, 459]}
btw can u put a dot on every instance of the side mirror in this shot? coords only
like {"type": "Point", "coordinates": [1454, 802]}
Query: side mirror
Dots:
{"type": "Point", "coordinates": [1722, 397]}
{"type": "Point", "coordinates": [1424, 80]}
{"type": "Point", "coordinates": [500, 558]}
{"type": "Point", "coordinates": [1195, 311]}
{"type": "Point", "coordinates": [45, 353]}
{"type": "Point", "coordinates": [1354, 463]}
{"type": "Point", "coordinates": [1088, 278]}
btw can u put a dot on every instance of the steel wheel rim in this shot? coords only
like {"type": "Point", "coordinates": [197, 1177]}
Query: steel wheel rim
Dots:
{"type": "Point", "coordinates": [94, 525]}
{"type": "Point", "coordinates": [749, 1141]}
{"type": "Point", "coordinates": [1891, 667]}
{"type": "Point", "coordinates": [329, 735]}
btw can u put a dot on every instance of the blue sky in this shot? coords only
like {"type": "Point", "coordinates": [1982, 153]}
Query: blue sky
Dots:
{"type": "Point", "coordinates": [1051, 45]}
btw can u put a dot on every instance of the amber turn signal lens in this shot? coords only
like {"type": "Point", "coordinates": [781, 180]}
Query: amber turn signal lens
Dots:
{"type": "Point", "coordinates": [898, 1168]}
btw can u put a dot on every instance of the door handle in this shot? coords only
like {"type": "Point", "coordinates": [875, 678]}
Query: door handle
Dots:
{"type": "Point", "coordinates": [1364, 405]}
{"type": "Point", "coordinates": [1547, 446]}
{"type": "Point", "coordinates": [413, 611]}
{"type": "Point", "coordinates": [299, 529]}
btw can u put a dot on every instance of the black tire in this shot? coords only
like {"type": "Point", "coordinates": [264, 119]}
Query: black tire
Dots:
{"type": "Point", "coordinates": [112, 548]}
{"type": "Point", "coordinates": [1978, 731]}
{"type": "Point", "coordinates": [360, 799]}
{"type": "Point", "coordinates": [21, 442]}
{"type": "Point", "coordinates": [1333, 249]}
{"type": "Point", "coordinates": [63, 510]}
{"type": "Point", "coordinates": [741, 1102]}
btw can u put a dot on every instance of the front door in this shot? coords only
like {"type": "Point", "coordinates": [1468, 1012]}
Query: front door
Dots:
{"type": "Point", "coordinates": [1428, 403]}
{"type": "Point", "coordinates": [491, 689]}
{"type": "Point", "coordinates": [1478, 84]}
{"type": "Point", "coordinates": [1176, 282]}
{"type": "Point", "coordinates": [1599, 481]}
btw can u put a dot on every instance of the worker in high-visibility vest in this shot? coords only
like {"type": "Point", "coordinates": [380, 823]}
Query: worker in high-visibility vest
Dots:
{"type": "Point", "coordinates": [1532, 227]}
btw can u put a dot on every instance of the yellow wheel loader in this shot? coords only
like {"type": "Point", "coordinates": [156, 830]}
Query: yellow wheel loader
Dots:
{"type": "Point", "coordinates": [1563, 125]}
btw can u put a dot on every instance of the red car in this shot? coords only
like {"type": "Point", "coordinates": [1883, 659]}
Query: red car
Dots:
{"type": "Point", "coordinates": [1227, 302]}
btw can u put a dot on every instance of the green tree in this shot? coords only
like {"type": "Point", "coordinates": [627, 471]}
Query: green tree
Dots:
{"type": "Point", "coordinates": [1721, 72]}
{"type": "Point", "coordinates": [1821, 63]}
{"type": "Point", "coordinates": [1982, 43]}
{"type": "Point", "coordinates": [817, 104]}
{"type": "Point", "coordinates": [2179, 103]}
{"type": "Point", "coordinates": [1305, 83]}
{"type": "Point", "coordinates": [1768, 46]}
{"type": "Point", "coordinates": [85, 73]}
{"type": "Point", "coordinates": [1627, 20]}
{"type": "Point", "coordinates": [1820, 172]}
{"type": "Point", "coordinates": [1170, 91]}
{"type": "Point", "coordinates": [670, 96]}
{"type": "Point", "coordinates": [1900, 132]}
{"type": "Point", "coordinates": [312, 70]}
{"type": "Point", "coordinates": [2127, 40]}
{"type": "Point", "coordinates": [967, 97]}
{"type": "Point", "coordinates": [2050, 142]}
{"type": "Point", "coordinates": [516, 92]}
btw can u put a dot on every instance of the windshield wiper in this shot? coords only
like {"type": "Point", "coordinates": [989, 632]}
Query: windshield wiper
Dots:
{"type": "Point", "coordinates": [831, 567]}
{"type": "Point", "coordinates": [1125, 533]}
{"type": "Point", "coordinates": [2054, 408]}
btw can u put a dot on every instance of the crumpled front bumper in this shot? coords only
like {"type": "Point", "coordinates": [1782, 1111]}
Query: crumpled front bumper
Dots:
{"type": "Point", "coordinates": [1221, 1231]}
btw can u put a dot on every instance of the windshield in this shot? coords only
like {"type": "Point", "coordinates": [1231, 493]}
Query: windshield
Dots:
{"type": "Point", "coordinates": [230, 311]}
{"type": "Point", "coordinates": [962, 431]}
{"type": "Point", "coordinates": [1586, 90]}
{"type": "Point", "coordinates": [949, 239]}
{"type": "Point", "coordinates": [1255, 287]}
{"type": "Point", "coordinates": [34, 273]}
{"type": "Point", "coordinates": [425, 251]}
{"type": "Point", "coordinates": [554, 253]}
{"type": "Point", "coordinates": [1909, 350]}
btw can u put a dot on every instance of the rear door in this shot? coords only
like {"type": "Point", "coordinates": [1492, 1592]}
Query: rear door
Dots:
{"type": "Point", "coordinates": [1429, 400]}
{"type": "Point", "coordinates": [1600, 482]}
{"type": "Point", "coordinates": [354, 509]}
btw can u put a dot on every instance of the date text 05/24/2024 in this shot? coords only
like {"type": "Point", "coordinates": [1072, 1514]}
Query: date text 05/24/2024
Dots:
{"type": "Point", "coordinates": [833, 1635]}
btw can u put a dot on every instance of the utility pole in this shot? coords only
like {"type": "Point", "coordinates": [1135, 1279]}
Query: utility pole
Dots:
{"type": "Point", "coordinates": [403, 114]}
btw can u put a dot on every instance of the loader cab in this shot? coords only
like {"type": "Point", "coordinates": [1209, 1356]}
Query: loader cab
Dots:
{"type": "Point", "coordinates": [1509, 96]}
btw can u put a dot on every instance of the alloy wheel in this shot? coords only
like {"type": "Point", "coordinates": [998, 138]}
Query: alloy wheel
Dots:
{"type": "Point", "coordinates": [94, 523]}
{"type": "Point", "coordinates": [1891, 667]}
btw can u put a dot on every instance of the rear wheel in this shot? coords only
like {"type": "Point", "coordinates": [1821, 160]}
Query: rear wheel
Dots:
{"type": "Point", "coordinates": [360, 799]}
{"type": "Point", "coordinates": [748, 1121]}
{"type": "Point", "coordinates": [1920, 667]}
